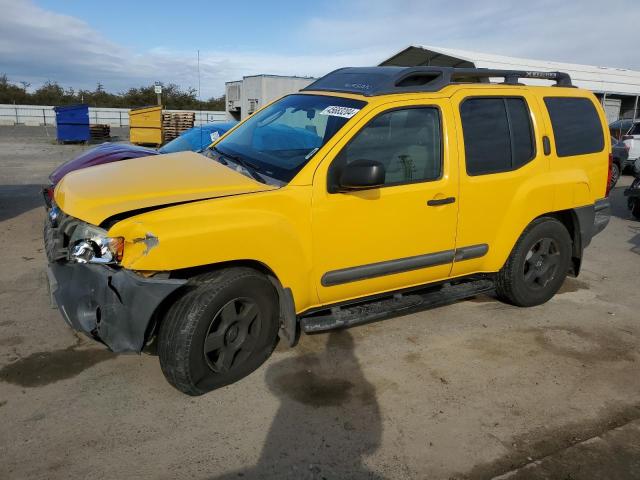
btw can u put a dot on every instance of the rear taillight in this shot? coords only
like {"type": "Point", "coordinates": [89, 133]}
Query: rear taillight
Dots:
{"type": "Point", "coordinates": [608, 189]}
{"type": "Point", "coordinates": [47, 193]}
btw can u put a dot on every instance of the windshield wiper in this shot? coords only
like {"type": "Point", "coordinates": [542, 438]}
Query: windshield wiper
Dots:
{"type": "Point", "coordinates": [249, 167]}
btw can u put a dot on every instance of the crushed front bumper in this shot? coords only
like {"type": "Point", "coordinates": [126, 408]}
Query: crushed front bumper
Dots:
{"type": "Point", "coordinates": [112, 306]}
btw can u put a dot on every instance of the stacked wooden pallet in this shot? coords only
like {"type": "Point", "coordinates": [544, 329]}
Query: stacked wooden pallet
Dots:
{"type": "Point", "coordinates": [100, 131]}
{"type": "Point", "coordinates": [174, 123]}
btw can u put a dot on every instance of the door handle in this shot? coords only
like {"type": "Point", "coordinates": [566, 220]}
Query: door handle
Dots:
{"type": "Point", "coordinates": [441, 201]}
{"type": "Point", "coordinates": [546, 145]}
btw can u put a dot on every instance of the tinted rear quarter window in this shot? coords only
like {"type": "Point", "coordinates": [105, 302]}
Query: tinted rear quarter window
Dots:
{"type": "Point", "coordinates": [576, 126]}
{"type": "Point", "coordinates": [497, 134]}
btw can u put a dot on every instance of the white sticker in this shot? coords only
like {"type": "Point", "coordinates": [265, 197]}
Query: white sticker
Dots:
{"type": "Point", "coordinates": [344, 112]}
{"type": "Point", "coordinates": [214, 136]}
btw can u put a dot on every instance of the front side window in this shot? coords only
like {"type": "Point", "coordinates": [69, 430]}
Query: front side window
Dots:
{"type": "Point", "coordinates": [576, 126]}
{"type": "Point", "coordinates": [279, 140]}
{"type": "Point", "coordinates": [407, 142]}
{"type": "Point", "coordinates": [498, 135]}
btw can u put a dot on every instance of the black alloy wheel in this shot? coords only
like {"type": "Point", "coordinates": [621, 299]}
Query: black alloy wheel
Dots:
{"type": "Point", "coordinates": [232, 335]}
{"type": "Point", "coordinates": [541, 263]}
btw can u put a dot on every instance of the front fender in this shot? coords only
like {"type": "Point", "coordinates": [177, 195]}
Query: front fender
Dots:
{"type": "Point", "coordinates": [272, 228]}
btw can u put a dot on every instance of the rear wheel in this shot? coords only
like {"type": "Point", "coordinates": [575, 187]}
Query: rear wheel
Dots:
{"type": "Point", "coordinates": [537, 265]}
{"type": "Point", "coordinates": [220, 331]}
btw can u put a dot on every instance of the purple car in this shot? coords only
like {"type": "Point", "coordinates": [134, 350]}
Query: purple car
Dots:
{"type": "Point", "coordinates": [195, 139]}
{"type": "Point", "coordinates": [103, 153]}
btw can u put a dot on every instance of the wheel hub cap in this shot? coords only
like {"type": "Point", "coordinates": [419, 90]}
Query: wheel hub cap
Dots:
{"type": "Point", "coordinates": [541, 263]}
{"type": "Point", "coordinates": [233, 334]}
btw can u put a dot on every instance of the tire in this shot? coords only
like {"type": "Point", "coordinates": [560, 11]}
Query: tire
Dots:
{"type": "Point", "coordinates": [615, 175]}
{"type": "Point", "coordinates": [538, 264]}
{"type": "Point", "coordinates": [220, 331]}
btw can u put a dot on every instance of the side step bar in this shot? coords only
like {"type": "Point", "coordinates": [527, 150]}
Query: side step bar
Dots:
{"type": "Point", "coordinates": [343, 317]}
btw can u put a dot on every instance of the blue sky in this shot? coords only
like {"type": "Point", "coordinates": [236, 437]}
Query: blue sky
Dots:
{"type": "Point", "coordinates": [197, 24]}
{"type": "Point", "coordinates": [131, 43]}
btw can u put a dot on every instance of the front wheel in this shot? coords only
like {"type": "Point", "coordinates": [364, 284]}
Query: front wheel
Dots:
{"type": "Point", "coordinates": [223, 329]}
{"type": "Point", "coordinates": [538, 264]}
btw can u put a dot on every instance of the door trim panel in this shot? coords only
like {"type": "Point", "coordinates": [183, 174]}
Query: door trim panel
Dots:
{"type": "Point", "coordinates": [400, 265]}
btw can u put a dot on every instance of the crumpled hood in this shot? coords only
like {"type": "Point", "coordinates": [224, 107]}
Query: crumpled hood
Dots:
{"type": "Point", "coordinates": [103, 153]}
{"type": "Point", "coordinates": [97, 193]}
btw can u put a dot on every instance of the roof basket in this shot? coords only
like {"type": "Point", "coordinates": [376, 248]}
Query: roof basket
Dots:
{"type": "Point", "coordinates": [371, 81]}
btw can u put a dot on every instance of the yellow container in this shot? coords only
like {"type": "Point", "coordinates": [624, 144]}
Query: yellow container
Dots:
{"type": "Point", "coordinates": [145, 125]}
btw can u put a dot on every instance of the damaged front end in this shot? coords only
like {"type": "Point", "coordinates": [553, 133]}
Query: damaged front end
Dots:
{"type": "Point", "coordinates": [95, 295]}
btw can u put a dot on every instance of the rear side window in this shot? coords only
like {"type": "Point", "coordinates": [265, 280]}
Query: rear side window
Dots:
{"type": "Point", "coordinates": [576, 126]}
{"type": "Point", "coordinates": [497, 134]}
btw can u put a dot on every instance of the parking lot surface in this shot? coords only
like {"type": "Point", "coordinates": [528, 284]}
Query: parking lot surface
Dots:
{"type": "Point", "coordinates": [477, 389]}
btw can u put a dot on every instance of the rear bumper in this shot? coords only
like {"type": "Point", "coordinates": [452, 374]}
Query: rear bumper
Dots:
{"type": "Point", "coordinates": [591, 220]}
{"type": "Point", "coordinates": [602, 210]}
{"type": "Point", "coordinates": [111, 306]}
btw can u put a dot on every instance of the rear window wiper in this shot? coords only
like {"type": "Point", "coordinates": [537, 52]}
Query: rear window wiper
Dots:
{"type": "Point", "coordinates": [249, 167]}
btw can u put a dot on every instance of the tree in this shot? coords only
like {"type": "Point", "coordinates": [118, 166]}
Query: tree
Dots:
{"type": "Point", "coordinates": [10, 93]}
{"type": "Point", "coordinates": [51, 93]}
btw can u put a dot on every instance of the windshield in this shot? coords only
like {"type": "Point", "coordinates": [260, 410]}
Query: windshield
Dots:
{"type": "Point", "coordinates": [279, 140]}
{"type": "Point", "coordinates": [197, 138]}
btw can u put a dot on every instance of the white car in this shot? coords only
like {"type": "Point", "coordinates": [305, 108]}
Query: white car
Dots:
{"type": "Point", "coordinates": [632, 140]}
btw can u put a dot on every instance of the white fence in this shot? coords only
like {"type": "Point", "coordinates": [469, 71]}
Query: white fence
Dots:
{"type": "Point", "coordinates": [35, 115]}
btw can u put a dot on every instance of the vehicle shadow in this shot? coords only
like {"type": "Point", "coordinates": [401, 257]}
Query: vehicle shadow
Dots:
{"type": "Point", "coordinates": [328, 419]}
{"type": "Point", "coordinates": [635, 240]}
{"type": "Point", "coordinates": [619, 202]}
{"type": "Point", "coordinates": [18, 199]}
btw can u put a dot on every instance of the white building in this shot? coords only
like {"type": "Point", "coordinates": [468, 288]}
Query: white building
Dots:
{"type": "Point", "coordinates": [247, 95]}
{"type": "Point", "coordinates": [617, 88]}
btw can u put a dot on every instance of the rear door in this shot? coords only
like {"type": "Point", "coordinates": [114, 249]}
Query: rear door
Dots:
{"type": "Point", "coordinates": [502, 172]}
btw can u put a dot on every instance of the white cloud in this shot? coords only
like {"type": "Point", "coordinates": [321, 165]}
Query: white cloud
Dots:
{"type": "Point", "coordinates": [579, 31]}
{"type": "Point", "coordinates": [37, 45]}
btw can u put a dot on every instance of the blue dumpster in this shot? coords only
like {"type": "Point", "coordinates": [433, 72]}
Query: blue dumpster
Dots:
{"type": "Point", "coordinates": [72, 123]}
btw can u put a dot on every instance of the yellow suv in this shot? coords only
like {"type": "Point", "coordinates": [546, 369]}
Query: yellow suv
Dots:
{"type": "Point", "coordinates": [371, 191]}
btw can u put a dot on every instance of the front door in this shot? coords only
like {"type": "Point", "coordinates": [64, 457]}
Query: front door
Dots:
{"type": "Point", "coordinates": [402, 233]}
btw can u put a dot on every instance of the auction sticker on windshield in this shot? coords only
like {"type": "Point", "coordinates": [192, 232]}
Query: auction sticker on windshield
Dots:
{"type": "Point", "coordinates": [336, 111]}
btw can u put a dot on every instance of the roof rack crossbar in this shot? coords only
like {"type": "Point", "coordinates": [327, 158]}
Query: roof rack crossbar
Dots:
{"type": "Point", "coordinates": [511, 77]}
{"type": "Point", "coordinates": [370, 81]}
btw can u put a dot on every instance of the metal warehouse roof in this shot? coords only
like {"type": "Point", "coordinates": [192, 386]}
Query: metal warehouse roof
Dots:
{"type": "Point", "coordinates": [597, 79]}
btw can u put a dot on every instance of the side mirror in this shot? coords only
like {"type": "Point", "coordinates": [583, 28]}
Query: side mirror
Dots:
{"type": "Point", "coordinates": [361, 174]}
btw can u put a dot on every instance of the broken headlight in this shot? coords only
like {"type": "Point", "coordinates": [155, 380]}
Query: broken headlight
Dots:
{"type": "Point", "coordinates": [90, 244]}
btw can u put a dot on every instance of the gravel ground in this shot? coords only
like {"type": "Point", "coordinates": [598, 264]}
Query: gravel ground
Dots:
{"type": "Point", "coordinates": [473, 390]}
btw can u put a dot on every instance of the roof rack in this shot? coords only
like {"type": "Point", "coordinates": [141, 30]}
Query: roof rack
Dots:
{"type": "Point", "coordinates": [371, 81]}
